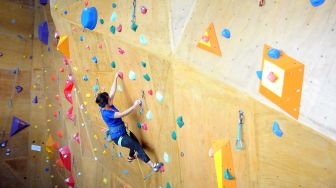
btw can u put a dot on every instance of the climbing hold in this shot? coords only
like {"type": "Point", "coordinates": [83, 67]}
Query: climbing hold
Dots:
{"type": "Point", "coordinates": [120, 155]}
{"type": "Point", "coordinates": [125, 172]}
{"type": "Point", "coordinates": [43, 32]}
{"type": "Point", "coordinates": [276, 129]}
{"type": "Point", "coordinates": [17, 126]}
{"type": "Point", "coordinates": [149, 115]}
{"type": "Point", "coordinates": [119, 28]}
{"type": "Point", "coordinates": [81, 38]}
{"type": "Point", "coordinates": [70, 181]}
{"type": "Point", "coordinates": [35, 100]}
{"type": "Point", "coordinates": [63, 46]}
{"type": "Point", "coordinates": [76, 137]}
{"type": "Point", "coordinates": [166, 157]}
{"type": "Point", "coordinates": [3, 144]}
{"type": "Point", "coordinates": [94, 59]}
{"type": "Point", "coordinates": [8, 152]}
{"type": "Point", "coordinates": [59, 133]}
{"type": "Point", "coordinates": [159, 97]}
{"type": "Point", "coordinates": [179, 121]}
{"type": "Point", "coordinates": [13, 21]}
{"type": "Point", "coordinates": [101, 20]}
{"type": "Point", "coordinates": [105, 181]}
{"type": "Point", "coordinates": [143, 64]}
{"type": "Point", "coordinates": [173, 135]}
{"type": "Point", "coordinates": [150, 92]}
{"type": "Point", "coordinates": [134, 26]}
{"type": "Point", "coordinates": [316, 3]}
{"type": "Point", "coordinates": [211, 152]}
{"type": "Point", "coordinates": [112, 29]}
{"type": "Point", "coordinates": [146, 77]}
{"type": "Point", "coordinates": [132, 75]}
{"type": "Point", "coordinates": [113, 64]}
{"type": "Point", "coordinates": [259, 74]}
{"type": "Point", "coordinates": [120, 75]}
{"type": "Point", "coordinates": [18, 89]}
{"type": "Point", "coordinates": [43, 2]}
{"type": "Point", "coordinates": [205, 38]}
{"type": "Point", "coordinates": [144, 126]}
{"type": "Point", "coordinates": [1, 54]}
{"type": "Point", "coordinates": [113, 16]}
{"type": "Point", "coordinates": [272, 77]}
{"type": "Point", "coordinates": [85, 78]}
{"type": "Point", "coordinates": [114, 5]}
{"type": "Point", "coordinates": [273, 53]}
{"type": "Point", "coordinates": [95, 88]}
{"type": "Point", "coordinates": [65, 12]}
{"type": "Point", "coordinates": [168, 185]}
{"type": "Point", "coordinates": [61, 69]}
{"type": "Point", "coordinates": [89, 18]}
{"type": "Point", "coordinates": [143, 10]}
{"type": "Point", "coordinates": [227, 175]}
{"type": "Point", "coordinates": [143, 40]}
{"type": "Point", "coordinates": [226, 33]}
{"type": "Point", "coordinates": [121, 51]}
{"type": "Point", "coordinates": [57, 35]}
{"type": "Point", "coordinates": [139, 125]}
{"type": "Point", "coordinates": [119, 87]}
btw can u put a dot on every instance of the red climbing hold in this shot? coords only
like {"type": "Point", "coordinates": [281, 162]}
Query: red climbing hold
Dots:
{"type": "Point", "coordinates": [56, 145]}
{"type": "Point", "coordinates": [70, 114]}
{"type": "Point", "coordinates": [59, 134]}
{"type": "Point", "coordinates": [150, 92]}
{"type": "Point", "coordinates": [65, 155]}
{"type": "Point", "coordinates": [119, 28]}
{"type": "Point", "coordinates": [61, 69]}
{"type": "Point", "coordinates": [70, 181]}
{"type": "Point", "coordinates": [121, 51]}
{"type": "Point", "coordinates": [120, 75]}
{"type": "Point", "coordinates": [68, 89]}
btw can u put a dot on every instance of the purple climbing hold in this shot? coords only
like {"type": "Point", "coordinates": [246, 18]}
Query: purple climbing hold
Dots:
{"type": "Point", "coordinates": [18, 89]}
{"type": "Point", "coordinates": [3, 144]}
{"type": "Point", "coordinates": [8, 152]}
{"type": "Point", "coordinates": [43, 32]}
{"type": "Point", "coordinates": [17, 125]}
{"type": "Point", "coordinates": [35, 100]}
{"type": "Point", "coordinates": [43, 2]}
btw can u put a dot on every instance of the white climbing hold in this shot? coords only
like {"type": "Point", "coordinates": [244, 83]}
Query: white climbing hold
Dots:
{"type": "Point", "coordinates": [159, 97]}
{"type": "Point", "coordinates": [119, 87]}
{"type": "Point", "coordinates": [143, 40]}
{"type": "Point", "coordinates": [113, 16]}
{"type": "Point", "coordinates": [166, 157]}
{"type": "Point", "coordinates": [132, 75]}
{"type": "Point", "coordinates": [149, 115]}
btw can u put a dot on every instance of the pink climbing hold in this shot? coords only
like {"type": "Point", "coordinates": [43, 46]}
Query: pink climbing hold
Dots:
{"type": "Point", "coordinates": [143, 10]}
{"type": "Point", "coordinates": [162, 168]}
{"type": "Point", "coordinates": [120, 75]}
{"type": "Point", "coordinates": [121, 51]}
{"type": "Point", "coordinates": [76, 138]}
{"type": "Point", "coordinates": [119, 28]}
{"type": "Point", "coordinates": [70, 115]}
{"type": "Point", "coordinates": [87, 47]}
{"type": "Point", "coordinates": [57, 36]}
{"type": "Point", "coordinates": [272, 77]}
{"type": "Point", "coordinates": [100, 45]}
{"type": "Point", "coordinates": [205, 38]}
{"type": "Point", "coordinates": [150, 92]}
{"type": "Point", "coordinates": [65, 61]}
{"type": "Point", "coordinates": [61, 69]}
{"type": "Point", "coordinates": [144, 126]}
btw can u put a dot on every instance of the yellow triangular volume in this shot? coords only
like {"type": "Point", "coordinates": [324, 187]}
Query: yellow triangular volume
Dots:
{"type": "Point", "coordinates": [209, 41]}
{"type": "Point", "coordinates": [219, 167]}
{"type": "Point", "coordinates": [49, 144]}
{"type": "Point", "coordinates": [63, 46]}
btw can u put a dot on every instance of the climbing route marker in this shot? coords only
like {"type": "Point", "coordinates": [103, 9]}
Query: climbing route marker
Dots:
{"type": "Point", "coordinates": [211, 42]}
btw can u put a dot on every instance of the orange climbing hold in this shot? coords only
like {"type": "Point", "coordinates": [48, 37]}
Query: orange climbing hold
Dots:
{"type": "Point", "coordinates": [63, 46]}
{"type": "Point", "coordinates": [209, 41]}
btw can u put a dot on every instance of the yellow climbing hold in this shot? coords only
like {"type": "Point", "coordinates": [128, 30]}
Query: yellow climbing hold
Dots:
{"type": "Point", "coordinates": [48, 120]}
{"type": "Point", "coordinates": [95, 136]}
{"type": "Point", "coordinates": [40, 107]}
{"type": "Point", "coordinates": [105, 181]}
{"type": "Point", "coordinates": [85, 103]}
{"type": "Point", "coordinates": [88, 95]}
{"type": "Point", "coordinates": [104, 152]}
{"type": "Point", "coordinates": [85, 112]}
{"type": "Point", "coordinates": [34, 86]}
{"type": "Point", "coordinates": [95, 149]}
{"type": "Point", "coordinates": [47, 158]}
{"type": "Point", "coordinates": [35, 126]}
{"type": "Point", "coordinates": [48, 130]}
{"type": "Point", "coordinates": [56, 6]}
{"type": "Point", "coordinates": [50, 105]}
{"type": "Point", "coordinates": [51, 176]}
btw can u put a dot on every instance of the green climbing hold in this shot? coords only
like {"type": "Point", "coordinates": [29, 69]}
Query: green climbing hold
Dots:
{"type": "Point", "coordinates": [134, 26]}
{"type": "Point", "coordinates": [114, 5]}
{"type": "Point", "coordinates": [173, 135]}
{"type": "Point", "coordinates": [146, 77]}
{"type": "Point", "coordinates": [179, 121]}
{"type": "Point", "coordinates": [139, 125]}
{"type": "Point", "coordinates": [168, 185]}
{"type": "Point", "coordinates": [95, 88]}
{"type": "Point", "coordinates": [113, 64]}
{"type": "Point", "coordinates": [143, 64]}
{"type": "Point", "coordinates": [101, 21]}
{"type": "Point", "coordinates": [227, 175]}
{"type": "Point", "coordinates": [112, 29]}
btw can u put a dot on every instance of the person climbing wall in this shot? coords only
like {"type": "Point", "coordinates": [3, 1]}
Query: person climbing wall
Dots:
{"type": "Point", "coordinates": [117, 129]}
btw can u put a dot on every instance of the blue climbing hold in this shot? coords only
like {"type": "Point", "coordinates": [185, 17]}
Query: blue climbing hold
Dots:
{"type": "Point", "coordinates": [85, 78]}
{"type": "Point", "coordinates": [168, 185]}
{"type": "Point", "coordinates": [113, 17]}
{"type": "Point", "coordinates": [226, 33]}
{"type": "Point", "coordinates": [81, 38]}
{"type": "Point", "coordinates": [43, 32]}
{"type": "Point", "coordinates": [46, 169]}
{"type": "Point", "coordinates": [112, 29]}
{"type": "Point", "coordinates": [89, 18]}
{"type": "Point", "coordinates": [179, 121]}
{"type": "Point", "coordinates": [43, 2]}
{"type": "Point", "coordinates": [173, 135]}
{"type": "Point", "coordinates": [316, 3]}
{"type": "Point", "coordinates": [113, 64]}
{"type": "Point", "coordinates": [105, 146]}
{"type": "Point", "coordinates": [125, 172]}
{"type": "Point", "coordinates": [276, 129]}
{"type": "Point", "coordinates": [139, 125]}
{"type": "Point", "coordinates": [94, 59]}
{"type": "Point", "coordinates": [259, 74]}
{"type": "Point", "coordinates": [143, 40]}
{"type": "Point", "coordinates": [273, 53]}
{"type": "Point", "coordinates": [65, 12]}
{"type": "Point", "coordinates": [227, 175]}
{"type": "Point", "coordinates": [114, 5]}
{"type": "Point", "coordinates": [134, 26]}
{"type": "Point", "coordinates": [95, 88]}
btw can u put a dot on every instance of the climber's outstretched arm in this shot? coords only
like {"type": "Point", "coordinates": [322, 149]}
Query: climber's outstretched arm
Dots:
{"type": "Point", "coordinates": [114, 87]}
{"type": "Point", "coordinates": [128, 111]}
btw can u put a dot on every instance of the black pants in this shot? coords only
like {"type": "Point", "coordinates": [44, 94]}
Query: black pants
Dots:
{"type": "Point", "coordinates": [131, 142]}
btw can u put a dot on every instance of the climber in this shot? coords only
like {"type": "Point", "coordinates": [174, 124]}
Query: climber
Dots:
{"type": "Point", "coordinates": [117, 128]}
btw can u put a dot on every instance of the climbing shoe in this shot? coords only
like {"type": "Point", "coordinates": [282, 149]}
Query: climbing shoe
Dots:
{"type": "Point", "coordinates": [130, 159]}
{"type": "Point", "coordinates": [157, 167]}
